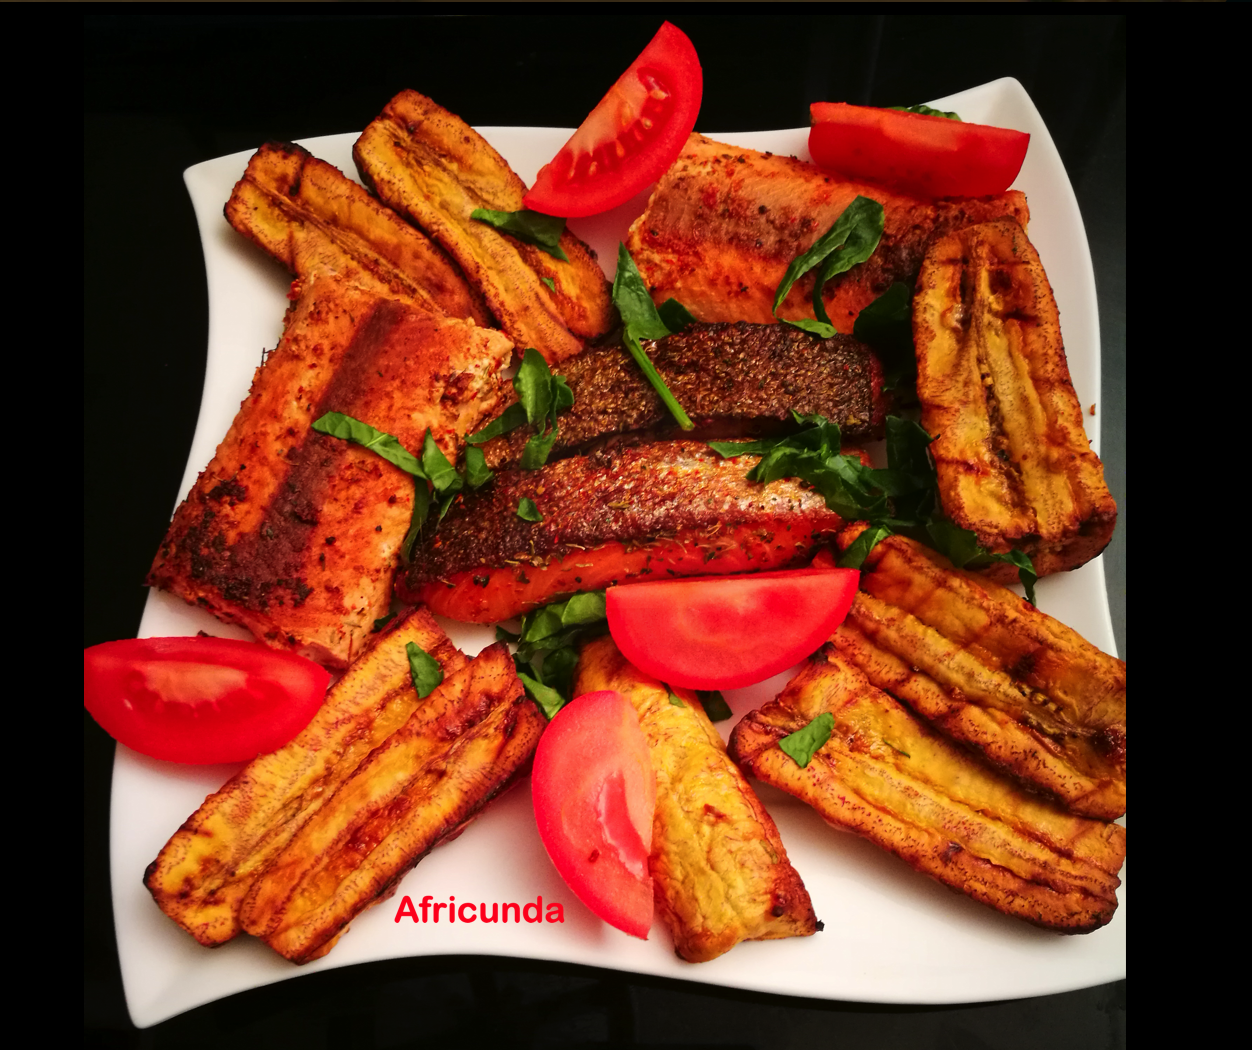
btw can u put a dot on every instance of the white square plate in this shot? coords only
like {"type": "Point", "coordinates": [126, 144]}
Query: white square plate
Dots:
{"type": "Point", "coordinates": [891, 936]}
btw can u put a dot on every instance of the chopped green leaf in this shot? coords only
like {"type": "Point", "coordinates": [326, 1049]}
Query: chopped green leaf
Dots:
{"type": "Point", "coordinates": [549, 282]}
{"type": "Point", "coordinates": [336, 424]}
{"type": "Point", "coordinates": [424, 669]}
{"type": "Point", "coordinates": [441, 473]}
{"type": "Point", "coordinates": [817, 328]}
{"type": "Point", "coordinates": [540, 397]}
{"type": "Point", "coordinates": [1025, 570]}
{"type": "Point", "coordinates": [549, 700]}
{"type": "Point", "coordinates": [421, 509]}
{"type": "Point", "coordinates": [543, 231]}
{"type": "Point", "coordinates": [850, 240]}
{"type": "Point", "coordinates": [533, 384]}
{"type": "Point", "coordinates": [588, 607]}
{"type": "Point", "coordinates": [804, 743]}
{"type": "Point", "coordinates": [715, 705]}
{"type": "Point", "coordinates": [382, 622]}
{"type": "Point", "coordinates": [527, 511]}
{"type": "Point", "coordinates": [675, 700]}
{"type": "Point", "coordinates": [640, 320]}
{"type": "Point", "coordinates": [929, 111]}
{"type": "Point", "coordinates": [674, 315]}
{"type": "Point", "coordinates": [477, 472]}
{"type": "Point", "coordinates": [887, 325]}
{"type": "Point", "coordinates": [854, 557]}
{"type": "Point", "coordinates": [510, 419]}
{"type": "Point", "coordinates": [547, 650]}
{"type": "Point", "coordinates": [504, 635]}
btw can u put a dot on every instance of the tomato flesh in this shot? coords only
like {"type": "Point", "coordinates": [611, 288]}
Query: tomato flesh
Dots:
{"type": "Point", "coordinates": [200, 700]}
{"type": "Point", "coordinates": [594, 793]}
{"type": "Point", "coordinates": [633, 135]}
{"type": "Point", "coordinates": [921, 154]}
{"type": "Point", "coordinates": [730, 631]}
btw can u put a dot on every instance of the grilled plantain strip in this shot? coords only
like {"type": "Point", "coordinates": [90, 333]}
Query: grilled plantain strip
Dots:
{"type": "Point", "coordinates": [732, 380]}
{"type": "Point", "coordinates": [719, 868]}
{"type": "Point", "coordinates": [317, 222]}
{"type": "Point", "coordinates": [295, 534]}
{"type": "Point", "coordinates": [1013, 460]}
{"type": "Point", "coordinates": [991, 670]}
{"type": "Point", "coordinates": [201, 876]}
{"type": "Point", "coordinates": [432, 167]}
{"type": "Point", "coordinates": [461, 747]}
{"type": "Point", "coordinates": [884, 775]}
{"type": "Point", "coordinates": [666, 509]}
{"type": "Point", "coordinates": [724, 223]}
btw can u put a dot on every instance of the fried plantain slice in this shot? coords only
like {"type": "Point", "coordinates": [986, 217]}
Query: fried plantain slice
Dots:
{"type": "Point", "coordinates": [1013, 459]}
{"type": "Point", "coordinates": [201, 876]}
{"type": "Point", "coordinates": [991, 670]}
{"type": "Point", "coordinates": [886, 776]}
{"type": "Point", "coordinates": [314, 220]}
{"type": "Point", "coordinates": [460, 748]}
{"type": "Point", "coordinates": [719, 868]}
{"type": "Point", "coordinates": [432, 167]}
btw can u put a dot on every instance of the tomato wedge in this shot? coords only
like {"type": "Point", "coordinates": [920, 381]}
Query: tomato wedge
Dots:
{"type": "Point", "coordinates": [921, 154]}
{"type": "Point", "coordinates": [200, 700]}
{"type": "Point", "coordinates": [594, 793]}
{"type": "Point", "coordinates": [725, 632]}
{"type": "Point", "coordinates": [633, 135]}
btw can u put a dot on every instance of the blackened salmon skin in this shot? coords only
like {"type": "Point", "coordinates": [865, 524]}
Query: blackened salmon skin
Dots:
{"type": "Point", "coordinates": [733, 380]}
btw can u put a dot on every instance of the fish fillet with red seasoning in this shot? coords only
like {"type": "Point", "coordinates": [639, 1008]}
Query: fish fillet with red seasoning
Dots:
{"type": "Point", "coordinates": [620, 516]}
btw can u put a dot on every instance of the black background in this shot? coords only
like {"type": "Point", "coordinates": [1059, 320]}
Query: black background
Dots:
{"type": "Point", "coordinates": [163, 93]}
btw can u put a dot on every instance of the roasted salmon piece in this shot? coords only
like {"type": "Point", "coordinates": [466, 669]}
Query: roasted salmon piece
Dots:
{"type": "Point", "coordinates": [461, 747]}
{"type": "Point", "coordinates": [317, 222]}
{"type": "Point", "coordinates": [720, 871]}
{"type": "Point", "coordinates": [992, 671]}
{"type": "Point", "coordinates": [886, 776]}
{"type": "Point", "coordinates": [202, 875]}
{"type": "Point", "coordinates": [433, 168]}
{"type": "Point", "coordinates": [617, 516]}
{"type": "Point", "coordinates": [1013, 460]}
{"type": "Point", "coordinates": [295, 534]}
{"type": "Point", "coordinates": [733, 380]}
{"type": "Point", "coordinates": [724, 223]}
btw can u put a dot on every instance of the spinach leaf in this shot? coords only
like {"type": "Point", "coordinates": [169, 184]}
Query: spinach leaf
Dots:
{"type": "Point", "coordinates": [540, 397]}
{"type": "Point", "coordinates": [382, 622]}
{"type": "Point", "coordinates": [543, 231]}
{"type": "Point", "coordinates": [336, 424]}
{"type": "Point", "coordinates": [640, 320]}
{"type": "Point", "coordinates": [510, 419]}
{"type": "Point", "coordinates": [674, 315]}
{"type": "Point", "coordinates": [818, 328]}
{"type": "Point", "coordinates": [715, 705]}
{"type": "Point", "coordinates": [887, 325]}
{"type": "Point", "coordinates": [547, 646]}
{"type": "Point", "coordinates": [527, 511]}
{"type": "Point", "coordinates": [804, 743]}
{"type": "Point", "coordinates": [674, 699]}
{"type": "Point", "coordinates": [477, 473]}
{"type": "Point", "coordinates": [549, 282]}
{"type": "Point", "coordinates": [424, 669]}
{"type": "Point", "coordinates": [850, 240]}
{"type": "Point", "coordinates": [928, 111]}
{"type": "Point", "coordinates": [550, 700]}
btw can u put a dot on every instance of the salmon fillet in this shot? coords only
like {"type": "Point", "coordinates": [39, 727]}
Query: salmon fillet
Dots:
{"type": "Point", "coordinates": [295, 534]}
{"type": "Point", "coordinates": [724, 223]}
{"type": "Point", "coordinates": [317, 222]}
{"type": "Point", "coordinates": [719, 868]}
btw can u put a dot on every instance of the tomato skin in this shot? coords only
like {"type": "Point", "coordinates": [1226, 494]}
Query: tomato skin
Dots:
{"type": "Point", "coordinates": [632, 136]}
{"type": "Point", "coordinates": [200, 700]}
{"type": "Point", "coordinates": [922, 154]}
{"type": "Point", "coordinates": [594, 793]}
{"type": "Point", "coordinates": [726, 632]}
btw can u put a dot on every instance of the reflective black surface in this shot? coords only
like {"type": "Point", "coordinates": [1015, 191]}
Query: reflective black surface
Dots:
{"type": "Point", "coordinates": [162, 93]}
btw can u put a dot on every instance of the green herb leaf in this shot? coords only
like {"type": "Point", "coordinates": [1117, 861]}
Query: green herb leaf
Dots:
{"type": "Point", "coordinates": [421, 509]}
{"type": "Point", "coordinates": [817, 328]}
{"type": "Point", "coordinates": [927, 111]}
{"type": "Point", "coordinates": [549, 282]}
{"type": "Point", "coordinates": [854, 557]}
{"type": "Point", "coordinates": [549, 700]}
{"type": "Point", "coordinates": [527, 511]}
{"type": "Point", "coordinates": [588, 607]}
{"type": "Point", "coordinates": [675, 700]}
{"type": "Point", "coordinates": [887, 325]}
{"type": "Point", "coordinates": [382, 622]}
{"type": "Point", "coordinates": [336, 424]}
{"type": "Point", "coordinates": [641, 321]}
{"type": "Point", "coordinates": [674, 315]}
{"type": "Point", "coordinates": [533, 384]}
{"type": "Point", "coordinates": [854, 235]}
{"type": "Point", "coordinates": [424, 669]}
{"type": "Point", "coordinates": [803, 744]}
{"type": "Point", "coordinates": [477, 473]}
{"type": "Point", "coordinates": [714, 704]}
{"type": "Point", "coordinates": [510, 419]}
{"type": "Point", "coordinates": [504, 635]}
{"type": "Point", "coordinates": [1025, 571]}
{"type": "Point", "coordinates": [441, 473]}
{"type": "Point", "coordinates": [543, 231]}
